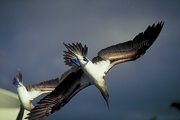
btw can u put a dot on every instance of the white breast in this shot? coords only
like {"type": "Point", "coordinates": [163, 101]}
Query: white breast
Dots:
{"type": "Point", "coordinates": [94, 72]}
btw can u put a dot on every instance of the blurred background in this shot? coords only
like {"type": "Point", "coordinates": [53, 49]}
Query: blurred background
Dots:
{"type": "Point", "coordinates": [31, 33]}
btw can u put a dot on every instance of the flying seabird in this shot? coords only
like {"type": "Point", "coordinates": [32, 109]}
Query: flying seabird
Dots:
{"type": "Point", "coordinates": [85, 72]}
{"type": "Point", "coordinates": [26, 94]}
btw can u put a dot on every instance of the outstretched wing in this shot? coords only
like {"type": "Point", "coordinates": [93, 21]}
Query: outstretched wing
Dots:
{"type": "Point", "coordinates": [54, 101]}
{"type": "Point", "coordinates": [42, 87]}
{"type": "Point", "coordinates": [130, 50]}
{"type": "Point", "coordinates": [47, 86]}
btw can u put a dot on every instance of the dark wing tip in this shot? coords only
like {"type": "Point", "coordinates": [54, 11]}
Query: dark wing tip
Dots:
{"type": "Point", "coordinates": [73, 50]}
{"type": "Point", "coordinates": [153, 31]}
{"type": "Point", "coordinates": [144, 40]}
{"type": "Point", "coordinates": [133, 49]}
{"type": "Point", "coordinates": [148, 37]}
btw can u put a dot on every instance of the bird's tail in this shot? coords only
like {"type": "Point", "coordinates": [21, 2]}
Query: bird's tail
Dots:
{"type": "Point", "coordinates": [73, 51]}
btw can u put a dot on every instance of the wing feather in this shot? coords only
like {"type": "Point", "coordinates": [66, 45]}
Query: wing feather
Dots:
{"type": "Point", "coordinates": [48, 85]}
{"type": "Point", "coordinates": [73, 50]}
{"type": "Point", "coordinates": [130, 50]}
{"type": "Point", "coordinates": [70, 86]}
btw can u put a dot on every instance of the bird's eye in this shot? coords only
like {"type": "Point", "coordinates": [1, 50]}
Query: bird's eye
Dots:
{"type": "Point", "coordinates": [85, 59]}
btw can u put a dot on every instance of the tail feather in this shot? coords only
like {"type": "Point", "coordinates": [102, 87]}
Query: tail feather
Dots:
{"type": "Point", "coordinates": [73, 51]}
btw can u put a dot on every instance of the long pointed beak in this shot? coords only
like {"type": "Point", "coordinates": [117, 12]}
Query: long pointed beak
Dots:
{"type": "Point", "coordinates": [106, 99]}
{"type": "Point", "coordinates": [105, 95]}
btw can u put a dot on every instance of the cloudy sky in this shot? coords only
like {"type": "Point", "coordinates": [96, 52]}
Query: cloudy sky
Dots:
{"type": "Point", "coordinates": [31, 33]}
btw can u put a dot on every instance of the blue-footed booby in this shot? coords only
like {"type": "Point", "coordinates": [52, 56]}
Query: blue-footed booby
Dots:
{"type": "Point", "coordinates": [85, 72]}
{"type": "Point", "coordinates": [26, 94]}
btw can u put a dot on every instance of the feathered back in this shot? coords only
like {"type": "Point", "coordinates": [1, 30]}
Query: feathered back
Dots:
{"type": "Point", "coordinates": [73, 51]}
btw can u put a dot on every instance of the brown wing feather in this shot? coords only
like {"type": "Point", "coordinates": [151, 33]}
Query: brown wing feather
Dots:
{"type": "Point", "coordinates": [74, 49]}
{"type": "Point", "coordinates": [54, 101]}
{"type": "Point", "coordinates": [130, 50]}
{"type": "Point", "coordinates": [48, 85]}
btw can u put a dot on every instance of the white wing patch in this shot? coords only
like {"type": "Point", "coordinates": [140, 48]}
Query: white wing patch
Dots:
{"type": "Point", "coordinates": [102, 66]}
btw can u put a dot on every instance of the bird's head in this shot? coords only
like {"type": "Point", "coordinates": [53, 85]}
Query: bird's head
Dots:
{"type": "Point", "coordinates": [80, 61]}
{"type": "Point", "coordinates": [17, 80]}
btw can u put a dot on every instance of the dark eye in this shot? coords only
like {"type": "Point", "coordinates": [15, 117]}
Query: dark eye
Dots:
{"type": "Point", "coordinates": [85, 59]}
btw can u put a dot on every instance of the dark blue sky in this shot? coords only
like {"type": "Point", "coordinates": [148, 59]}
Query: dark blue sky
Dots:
{"type": "Point", "coordinates": [31, 33]}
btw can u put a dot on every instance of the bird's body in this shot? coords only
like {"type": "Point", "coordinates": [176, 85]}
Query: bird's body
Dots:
{"type": "Point", "coordinates": [84, 72]}
{"type": "Point", "coordinates": [25, 98]}
{"type": "Point", "coordinates": [96, 77]}
{"type": "Point", "coordinates": [94, 72]}
{"type": "Point", "coordinates": [27, 94]}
